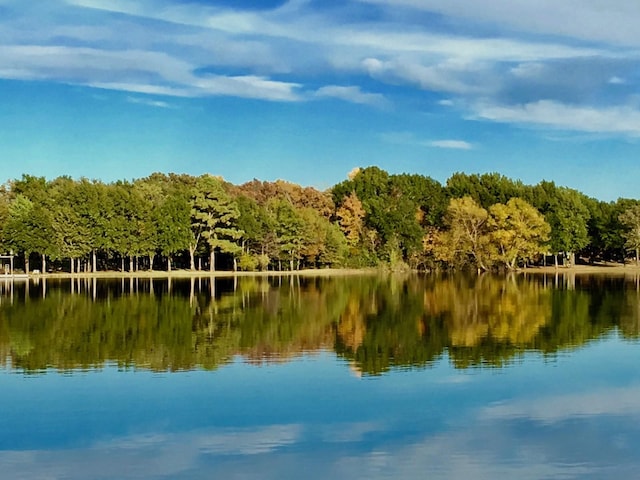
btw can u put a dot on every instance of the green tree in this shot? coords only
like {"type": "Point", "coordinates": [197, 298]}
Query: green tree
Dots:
{"type": "Point", "coordinates": [289, 231]}
{"type": "Point", "coordinates": [28, 228]}
{"type": "Point", "coordinates": [174, 225]}
{"type": "Point", "coordinates": [71, 236]}
{"type": "Point", "coordinates": [486, 189]}
{"type": "Point", "coordinates": [568, 217]}
{"type": "Point", "coordinates": [259, 239]}
{"type": "Point", "coordinates": [214, 217]}
{"type": "Point", "coordinates": [630, 219]}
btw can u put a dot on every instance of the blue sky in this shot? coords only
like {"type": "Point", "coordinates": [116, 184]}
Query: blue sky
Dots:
{"type": "Point", "coordinates": [306, 90]}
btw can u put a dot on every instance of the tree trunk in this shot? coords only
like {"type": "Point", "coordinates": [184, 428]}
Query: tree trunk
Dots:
{"type": "Point", "coordinates": [200, 263]}
{"type": "Point", "coordinates": [151, 259]}
{"type": "Point", "coordinates": [235, 264]}
{"type": "Point", "coordinates": [94, 261]}
{"type": "Point", "coordinates": [131, 263]}
{"type": "Point", "coordinates": [212, 261]}
{"type": "Point", "coordinates": [71, 262]}
{"type": "Point", "coordinates": [637, 257]}
{"type": "Point", "coordinates": [26, 263]}
{"type": "Point", "coordinates": [555, 257]}
{"type": "Point", "coordinates": [44, 263]}
{"type": "Point", "coordinates": [192, 259]}
{"type": "Point", "coordinates": [122, 264]}
{"type": "Point", "coordinates": [169, 263]}
{"type": "Point", "coordinates": [79, 265]}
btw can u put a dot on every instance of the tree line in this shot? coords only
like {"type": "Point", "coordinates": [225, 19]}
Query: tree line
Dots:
{"type": "Point", "coordinates": [373, 218]}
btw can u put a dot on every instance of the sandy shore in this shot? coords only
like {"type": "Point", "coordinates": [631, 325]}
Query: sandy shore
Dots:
{"type": "Point", "coordinates": [325, 272]}
{"type": "Point", "coordinates": [599, 269]}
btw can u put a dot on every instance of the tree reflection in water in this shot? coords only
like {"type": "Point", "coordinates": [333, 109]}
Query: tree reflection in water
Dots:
{"type": "Point", "coordinates": [375, 323]}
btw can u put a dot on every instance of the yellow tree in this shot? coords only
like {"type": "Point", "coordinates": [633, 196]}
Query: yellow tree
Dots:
{"type": "Point", "coordinates": [516, 231]}
{"type": "Point", "coordinates": [350, 218]}
{"type": "Point", "coordinates": [465, 237]}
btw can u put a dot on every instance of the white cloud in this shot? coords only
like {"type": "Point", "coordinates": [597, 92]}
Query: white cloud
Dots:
{"type": "Point", "coordinates": [148, 102]}
{"type": "Point", "coordinates": [580, 19]}
{"type": "Point", "coordinates": [453, 144]}
{"type": "Point", "coordinates": [615, 120]}
{"type": "Point", "coordinates": [135, 71]}
{"type": "Point", "coordinates": [270, 54]}
{"type": "Point", "coordinates": [352, 94]}
{"type": "Point", "coordinates": [408, 138]}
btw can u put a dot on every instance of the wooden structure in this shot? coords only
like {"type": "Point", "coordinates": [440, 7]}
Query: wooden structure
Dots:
{"type": "Point", "coordinates": [10, 258]}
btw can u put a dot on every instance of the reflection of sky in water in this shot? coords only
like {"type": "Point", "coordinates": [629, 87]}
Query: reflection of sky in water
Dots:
{"type": "Point", "coordinates": [575, 416]}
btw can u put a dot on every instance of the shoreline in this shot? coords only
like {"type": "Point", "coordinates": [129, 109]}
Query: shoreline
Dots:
{"type": "Point", "coordinates": [194, 274]}
{"type": "Point", "coordinates": [602, 269]}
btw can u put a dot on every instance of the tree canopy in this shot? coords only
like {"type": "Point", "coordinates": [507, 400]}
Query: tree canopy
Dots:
{"type": "Point", "coordinates": [372, 218]}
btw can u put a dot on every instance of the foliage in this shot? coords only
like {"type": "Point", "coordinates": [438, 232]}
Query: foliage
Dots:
{"type": "Point", "coordinates": [517, 231]}
{"type": "Point", "coordinates": [630, 219]}
{"type": "Point", "coordinates": [372, 218]}
{"type": "Point", "coordinates": [214, 217]}
{"type": "Point", "coordinates": [568, 216]}
{"type": "Point", "coordinates": [465, 238]}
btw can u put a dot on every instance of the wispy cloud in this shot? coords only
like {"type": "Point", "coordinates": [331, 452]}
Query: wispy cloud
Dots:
{"type": "Point", "coordinates": [534, 65]}
{"type": "Point", "coordinates": [149, 102]}
{"type": "Point", "coordinates": [408, 138]}
{"type": "Point", "coordinates": [614, 120]}
{"type": "Point", "coordinates": [352, 94]}
{"type": "Point", "coordinates": [454, 144]}
{"type": "Point", "coordinates": [548, 17]}
{"type": "Point", "coordinates": [135, 71]}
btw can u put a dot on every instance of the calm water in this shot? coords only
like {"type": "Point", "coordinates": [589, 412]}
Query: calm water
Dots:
{"type": "Point", "coordinates": [417, 377]}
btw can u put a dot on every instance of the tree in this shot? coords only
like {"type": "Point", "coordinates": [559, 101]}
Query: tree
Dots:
{"type": "Point", "coordinates": [89, 199]}
{"type": "Point", "coordinates": [466, 234]}
{"type": "Point", "coordinates": [125, 226]}
{"type": "Point", "coordinates": [427, 193]}
{"type": "Point", "coordinates": [259, 240]}
{"type": "Point", "coordinates": [568, 217]}
{"type": "Point", "coordinates": [214, 218]}
{"type": "Point", "coordinates": [517, 231]}
{"type": "Point", "coordinates": [486, 189]}
{"type": "Point", "coordinates": [289, 230]}
{"type": "Point", "coordinates": [351, 219]}
{"type": "Point", "coordinates": [174, 225]}
{"type": "Point", "coordinates": [630, 218]}
{"type": "Point", "coordinates": [323, 242]}
{"type": "Point", "coordinates": [28, 227]}
{"type": "Point", "coordinates": [71, 236]}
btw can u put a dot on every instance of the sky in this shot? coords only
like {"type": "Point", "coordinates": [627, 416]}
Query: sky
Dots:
{"type": "Point", "coordinates": [306, 90]}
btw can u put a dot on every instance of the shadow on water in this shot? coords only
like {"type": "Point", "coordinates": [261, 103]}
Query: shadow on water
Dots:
{"type": "Point", "coordinates": [374, 323]}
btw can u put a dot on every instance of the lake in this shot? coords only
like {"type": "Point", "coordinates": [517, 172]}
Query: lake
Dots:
{"type": "Point", "coordinates": [365, 377]}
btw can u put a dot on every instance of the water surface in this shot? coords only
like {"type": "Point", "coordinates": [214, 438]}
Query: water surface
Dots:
{"type": "Point", "coordinates": [366, 377]}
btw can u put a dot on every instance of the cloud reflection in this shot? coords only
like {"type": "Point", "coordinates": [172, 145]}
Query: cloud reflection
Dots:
{"type": "Point", "coordinates": [551, 409]}
{"type": "Point", "coordinates": [487, 447]}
